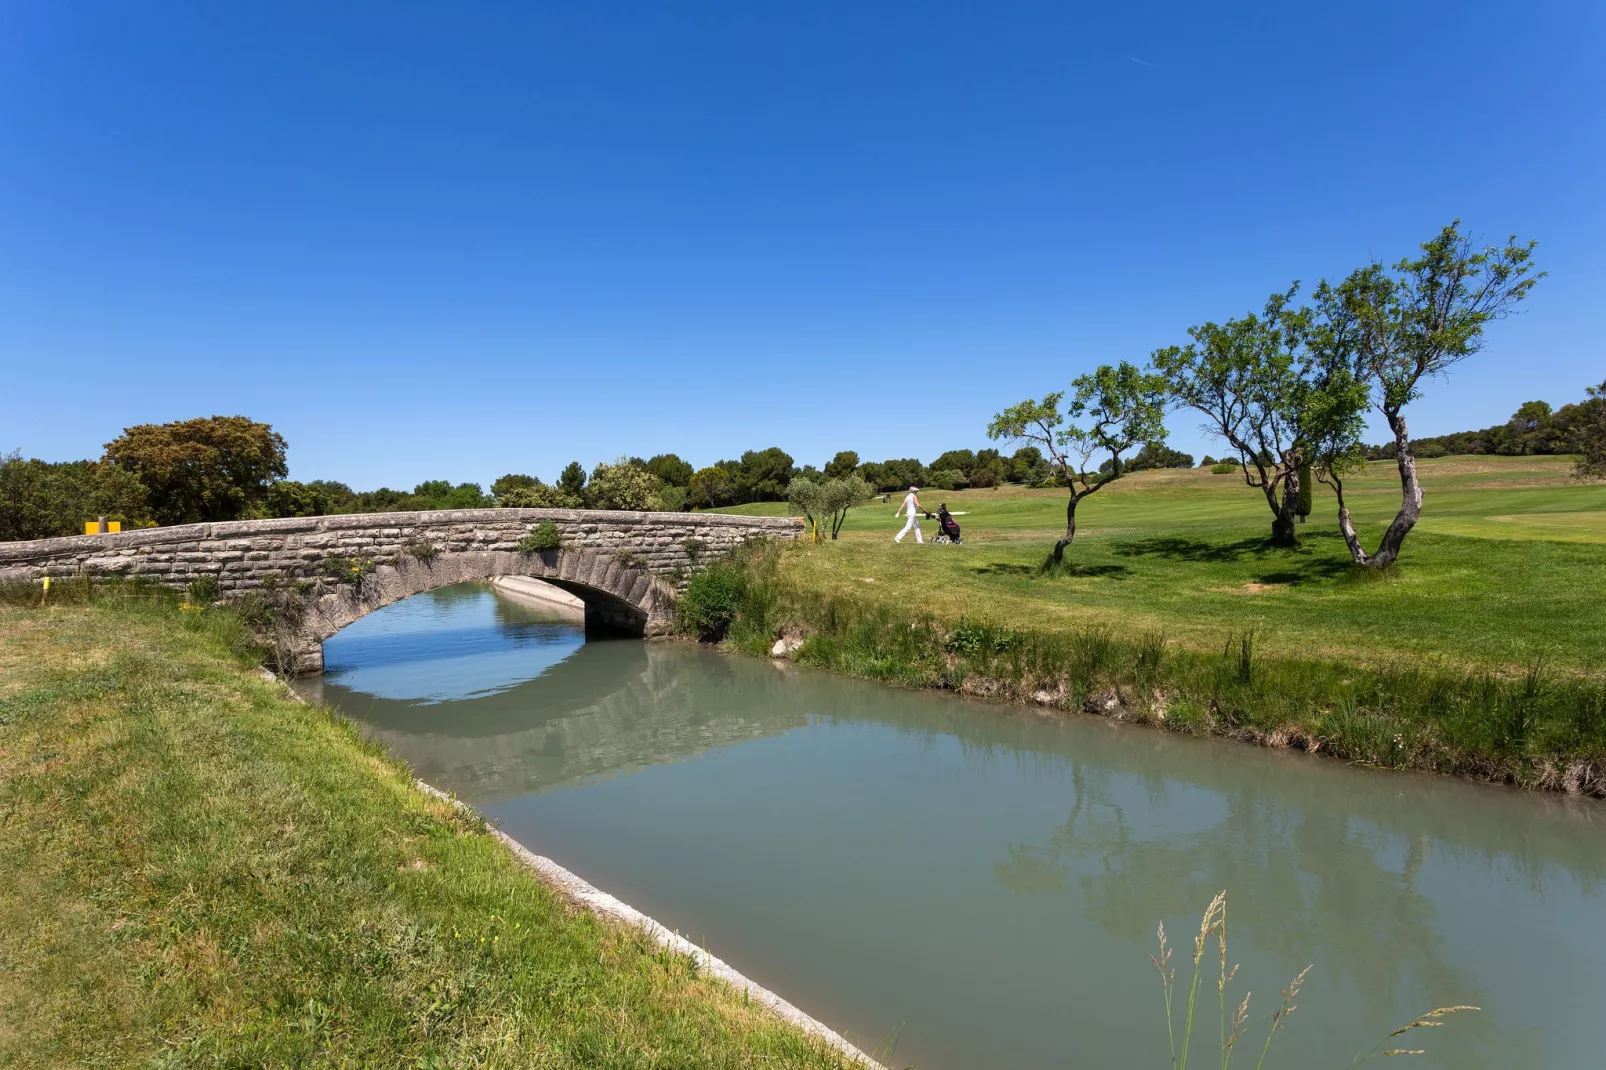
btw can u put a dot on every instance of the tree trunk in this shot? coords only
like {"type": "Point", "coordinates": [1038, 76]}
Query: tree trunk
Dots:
{"type": "Point", "coordinates": [1070, 530]}
{"type": "Point", "coordinates": [1410, 504]}
{"type": "Point", "coordinates": [1286, 511]}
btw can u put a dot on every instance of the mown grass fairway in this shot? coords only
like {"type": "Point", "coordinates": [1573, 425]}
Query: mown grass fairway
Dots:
{"type": "Point", "coordinates": [195, 869]}
{"type": "Point", "coordinates": [1507, 566]}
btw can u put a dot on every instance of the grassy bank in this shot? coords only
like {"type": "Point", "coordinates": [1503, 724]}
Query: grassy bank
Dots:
{"type": "Point", "coordinates": [1483, 653]}
{"type": "Point", "coordinates": [1539, 728]}
{"type": "Point", "coordinates": [1507, 570]}
{"type": "Point", "coordinates": [196, 869]}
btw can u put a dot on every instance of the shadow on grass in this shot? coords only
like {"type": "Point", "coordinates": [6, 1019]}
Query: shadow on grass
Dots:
{"type": "Point", "coordinates": [1301, 564]}
{"type": "Point", "coordinates": [1067, 568]}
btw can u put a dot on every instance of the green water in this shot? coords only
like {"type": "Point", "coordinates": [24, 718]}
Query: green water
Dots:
{"type": "Point", "coordinates": [985, 882]}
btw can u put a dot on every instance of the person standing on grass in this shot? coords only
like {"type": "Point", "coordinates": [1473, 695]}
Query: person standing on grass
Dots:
{"type": "Point", "coordinates": [911, 505]}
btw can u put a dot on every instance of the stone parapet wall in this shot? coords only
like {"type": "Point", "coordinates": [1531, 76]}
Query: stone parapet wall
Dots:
{"type": "Point", "coordinates": [240, 555]}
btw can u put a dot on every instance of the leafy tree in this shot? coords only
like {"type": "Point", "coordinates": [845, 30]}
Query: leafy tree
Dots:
{"type": "Point", "coordinates": [41, 500]}
{"type": "Point", "coordinates": [513, 481]}
{"type": "Point", "coordinates": [286, 497]}
{"type": "Point", "coordinates": [1206, 461]}
{"type": "Point", "coordinates": [711, 488]}
{"type": "Point", "coordinates": [826, 502]}
{"type": "Point", "coordinates": [900, 473]}
{"type": "Point", "coordinates": [1393, 329]}
{"type": "Point", "coordinates": [1590, 435]}
{"type": "Point", "coordinates": [1023, 464]}
{"type": "Point", "coordinates": [844, 464]}
{"type": "Point", "coordinates": [989, 470]}
{"type": "Point", "coordinates": [1112, 409]}
{"type": "Point", "coordinates": [212, 468]}
{"type": "Point", "coordinates": [442, 494]}
{"type": "Point", "coordinates": [947, 479]}
{"type": "Point", "coordinates": [572, 480]}
{"type": "Point", "coordinates": [961, 461]}
{"type": "Point", "coordinates": [1246, 377]}
{"type": "Point", "coordinates": [671, 499]}
{"type": "Point", "coordinates": [623, 485]}
{"type": "Point", "coordinates": [872, 473]}
{"type": "Point", "coordinates": [670, 470]}
{"type": "Point", "coordinates": [538, 496]}
{"type": "Point", "coordinates": [1157, 455]}
{"type": "Point", "coordinates": [764, 474]}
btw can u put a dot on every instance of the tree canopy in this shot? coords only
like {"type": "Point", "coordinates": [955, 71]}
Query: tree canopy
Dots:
{"type": "Point", "coordinates": [206, 469]}
{"type": "Point", "coordinates": [1112, 410]}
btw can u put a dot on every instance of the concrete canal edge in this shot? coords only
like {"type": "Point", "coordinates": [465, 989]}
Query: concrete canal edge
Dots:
{"type": "Point", "coordinates": [582, 892]}
{"type": "Point", "coordinates": [599, 902]}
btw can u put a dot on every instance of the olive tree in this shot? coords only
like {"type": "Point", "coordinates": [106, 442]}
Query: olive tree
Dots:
{"type": "Point", "coordinates": [825, 503]}
{"type": "Point", "coordinates": [1393, 329]}
{"type": "Point", "coordinates": [1111, 410]}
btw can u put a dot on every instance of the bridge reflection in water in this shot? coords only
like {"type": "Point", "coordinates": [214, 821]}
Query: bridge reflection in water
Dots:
{"type": "Point", "coordinates": [989, 877]}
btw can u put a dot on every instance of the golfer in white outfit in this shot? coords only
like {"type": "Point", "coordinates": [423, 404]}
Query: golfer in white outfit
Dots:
{"type": "Point", "coordinates": [911, 505]}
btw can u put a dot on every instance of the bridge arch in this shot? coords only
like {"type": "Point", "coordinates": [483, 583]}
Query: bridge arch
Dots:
{"type": "Point", "coordinates": [620, 598]}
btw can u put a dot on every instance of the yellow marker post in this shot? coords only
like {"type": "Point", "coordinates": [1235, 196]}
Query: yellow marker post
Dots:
{"type": "Point", "coordinates": [43, 593]}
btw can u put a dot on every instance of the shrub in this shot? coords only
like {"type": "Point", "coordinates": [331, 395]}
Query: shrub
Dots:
{"type": "Point", "coordinates": [624, 484]}
{"type": "Point", "coordinates": [202, 591]}
{"type": "Point", "coordinates": [352, 570]}
{"type": "Point", "coordinates": [949, 479]}
{"type": "Point", "coordinates": [711, 601]}
{"type": "Point", "coordinates": [537, 495]}
{"type": "Point", "coordinates": [1223, 468]}
{"type": "Point", "coordinates": [544, 536]}
{"type": "Point", "coordinates": [422, 549]}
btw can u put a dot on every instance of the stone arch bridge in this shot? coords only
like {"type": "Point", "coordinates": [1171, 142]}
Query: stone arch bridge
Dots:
{"type": "Point", "coordinates": [625, 566]}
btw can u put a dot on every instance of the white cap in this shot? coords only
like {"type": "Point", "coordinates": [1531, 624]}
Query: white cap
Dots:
{"type": "Point", "coordinates": [914, 488]}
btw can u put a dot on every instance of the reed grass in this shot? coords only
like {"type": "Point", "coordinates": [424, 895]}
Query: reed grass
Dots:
{"type": "Point", "coordinates": [1235, 1027]}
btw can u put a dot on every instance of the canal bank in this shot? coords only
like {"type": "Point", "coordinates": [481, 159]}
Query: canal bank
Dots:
{"type": "Point", "coordinates": [983, 880]}
{"type": "Point", "coordinates": [195, 868]}
{"type": "Point", "coordinates": [1535, 728]}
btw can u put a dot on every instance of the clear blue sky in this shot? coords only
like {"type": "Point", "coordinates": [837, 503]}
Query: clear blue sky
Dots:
{"type": "Point", "coordinates": [457, 240]}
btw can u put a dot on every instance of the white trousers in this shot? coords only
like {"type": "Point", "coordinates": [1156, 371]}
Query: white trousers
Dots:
{"type": "Point", "coordinates": [914, 524]}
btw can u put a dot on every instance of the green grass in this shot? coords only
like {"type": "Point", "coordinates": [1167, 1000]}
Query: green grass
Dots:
{"type": "Point", "coordinates": [1508, 566]}
{"type": "Point", "coordinates": [196, 869]}
{"type": "Point", "coordinates": [1536, 727]}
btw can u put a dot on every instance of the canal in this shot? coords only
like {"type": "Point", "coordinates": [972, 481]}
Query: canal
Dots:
{"type": "Point", "coordinates": [981, 884]}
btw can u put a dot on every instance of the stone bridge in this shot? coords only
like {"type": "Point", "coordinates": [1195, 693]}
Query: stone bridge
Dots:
{"type": "Point", "coordinates": [625, 566]}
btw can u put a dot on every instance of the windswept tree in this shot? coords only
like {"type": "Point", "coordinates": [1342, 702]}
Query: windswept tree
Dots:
{"type": "Point", "coordinates": [1247, 377]}
{"type": "Point", "coordinates": [1392, 330]}
{"type": "Point", "coordinates": [1112, 410]}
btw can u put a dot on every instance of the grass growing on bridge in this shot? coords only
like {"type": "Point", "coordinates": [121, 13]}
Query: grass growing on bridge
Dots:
{"type": "Point", "coordinates": [196, 869]}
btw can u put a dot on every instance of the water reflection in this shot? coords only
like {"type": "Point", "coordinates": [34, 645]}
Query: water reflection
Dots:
{"type": "Point", "coordinates": [991, 878]}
